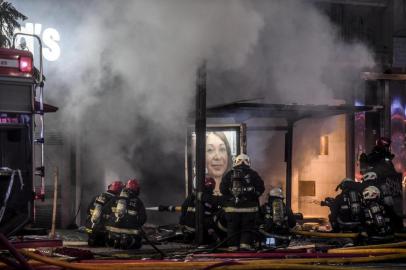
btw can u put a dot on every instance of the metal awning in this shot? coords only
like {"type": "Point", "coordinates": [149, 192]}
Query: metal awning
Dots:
{"type": "Point", "coordinates": [291, 113]}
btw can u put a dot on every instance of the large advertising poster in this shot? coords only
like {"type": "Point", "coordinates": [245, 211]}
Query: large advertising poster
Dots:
{"type": "Point", "coordinates": [223, 143]}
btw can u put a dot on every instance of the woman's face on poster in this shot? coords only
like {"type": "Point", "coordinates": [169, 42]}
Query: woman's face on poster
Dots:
{"type": "Point", "coordinates": [216, 156]}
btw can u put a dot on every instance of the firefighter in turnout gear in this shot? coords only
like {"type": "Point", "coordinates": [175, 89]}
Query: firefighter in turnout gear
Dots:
{"type": "Point", "coordinates": [345, 209]}
{"type": "Point", "coordinates": [376, 222]}
{"type": "Point", "coordinates": [277, 219]}
{"type": "Point", "coordinates": [379, 157]}
{"type": "Point", "coordinates": [241, 188]}
{"type": "Point", "coordinates": [127, 216]}
{"type": "Point", "coordinates": [97, 214]}
{"type": "Point", "coordinates": [389, 181]}
{"type": "Point", "coordinates": [211, 204]}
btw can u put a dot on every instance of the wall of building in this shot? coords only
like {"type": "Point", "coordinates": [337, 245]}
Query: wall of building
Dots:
{"type": "Point", "coordinates": [320, 173]}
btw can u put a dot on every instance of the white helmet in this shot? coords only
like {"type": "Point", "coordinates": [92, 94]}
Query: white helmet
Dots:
{"type": "Point", "coordinates": [276, 192]}
{"type": "Point", "coordinates": [240, 159]}
{"type": "Point", "coordinates": [369, 176]}
{"type": "Point", "coordinates": [371, 193]}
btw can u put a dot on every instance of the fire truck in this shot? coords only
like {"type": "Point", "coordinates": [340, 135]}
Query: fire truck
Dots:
{"type": "Point", "coordinates": [21, 138]}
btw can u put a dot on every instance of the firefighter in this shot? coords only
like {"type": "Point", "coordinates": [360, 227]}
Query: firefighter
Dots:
{"type": "Point", "coordinates": [379, 161]}
{"type": "Point", "coordinates": [276, 216]}
{"type": "Point", "coordinates": [381, 153]}
{"type": "Point", "coordinates": [376, 221]}
{"type": "Point", "coordinates": [128, 215]}
{"type": "Point", "coordinates": [97, 214]}
{"type": "Point", "coordinates": [211, 204]}
{"type": "Point", "coordinates": [386, 198]}
{"type": "Point", "coordinates": [380, 158]}
{"type": "Point", "coordinates": [241, 188]}
{"type": "Point", "coordinates": [345, 209]}
{"type": "Point", "coordinates": [277, 219]}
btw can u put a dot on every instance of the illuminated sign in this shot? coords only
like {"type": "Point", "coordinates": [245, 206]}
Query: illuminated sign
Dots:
{"type": "Point", "coordinates": [50, 38]}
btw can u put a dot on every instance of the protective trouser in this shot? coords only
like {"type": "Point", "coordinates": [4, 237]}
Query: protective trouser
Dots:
{"type": "Point", "coordinates": [123, 238]}
{"type": "Point", "coordinates": [240, 228]}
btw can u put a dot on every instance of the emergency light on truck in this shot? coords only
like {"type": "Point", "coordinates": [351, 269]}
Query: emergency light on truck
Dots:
{"type": "Point", "coordinates": [16, 63]}
{"type": "Point", "coordinates": [25, 64]}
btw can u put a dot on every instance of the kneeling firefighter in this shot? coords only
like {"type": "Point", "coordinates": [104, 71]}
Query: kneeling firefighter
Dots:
{"type": "Point", "coordinates": [128, 215]}
{"type": "Point", "coordinates": [372, 178]}
{"type": "Point", "coordinates": [389, 181]}
{"type": "Point", "coordinates": [97, 214]}
{"type": "Point", "coordinates": [376, 222]}
{"type": "Point", "coordinates": [241, 188]}
{"type": "Point", "coordinates": [277, 219]}
{"type": "Point", "coordinates": [211, 204]}
{"type": "Point", "coordinates": [345, 209]}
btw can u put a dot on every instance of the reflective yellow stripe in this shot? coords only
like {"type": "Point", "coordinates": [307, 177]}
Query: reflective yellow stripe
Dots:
{"type": "Point", "coordinates": [189, 228]}
{"type": "Point", "coordinates": [243, 245]}
{"type": "Point", "coordinates": [132, 212]}
{"type": "Point", "coordinates": [191, 209]}
{"type": "Point", "coordinates": [241, 210]}
{"type": "Point", "coordinates": [122, 230]}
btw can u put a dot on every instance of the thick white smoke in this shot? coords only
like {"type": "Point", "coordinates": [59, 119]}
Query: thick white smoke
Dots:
{"type": "Point", "coordinates": [301, 57]}
{"type": "Point", "coordinates": [129, 69]}
{"type": "Point", "coordinates": [132, 67]}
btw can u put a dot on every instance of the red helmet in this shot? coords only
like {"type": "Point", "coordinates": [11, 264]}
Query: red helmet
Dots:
{"type": "Point", "coordinates": [383, 142]}
{"type": "Point", "coordinates": [115, 186]}
{"type": "Point", "coordinates": [209, 183]}
{"type": "Point", "coordinates": [133, 185]}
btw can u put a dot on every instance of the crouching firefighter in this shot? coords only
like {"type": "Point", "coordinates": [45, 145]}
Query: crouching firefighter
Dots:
{"type": "Point", "coordinates": [387, 194]}
{"type": "Point", "coordinates": [128, 215]}
{"type": "Point", "coordinates": [345, 209]}
{"type": "Point", "coordinates": [241, 188]}
{"type": "Point", "coordinates": [210, 206]}
{"type": "Point", "coordinates": [97, 214]}
{"type": "Point", "coordinates": [376, 222]}
{"type": "Point", "coordinates": [277, 219]}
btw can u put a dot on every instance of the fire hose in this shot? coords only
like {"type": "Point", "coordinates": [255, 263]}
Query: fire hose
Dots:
{"type": "Point", "coordinates": [388, 245]}
{"type": "Point", "coordinates": [252, 264]}
{"type": "Point", "coordinates": [368, 250]}
{"type": "Point", "coordinates": [325, 234]}
{"type": "Point", "coordinates": [144, 235]}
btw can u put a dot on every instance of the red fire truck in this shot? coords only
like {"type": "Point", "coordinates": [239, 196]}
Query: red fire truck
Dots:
{"type": "Point", "coordinates": [21, 133]}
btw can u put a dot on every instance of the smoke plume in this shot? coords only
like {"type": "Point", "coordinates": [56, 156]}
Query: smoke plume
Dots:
{"type": "Point", "coordinates": [129, 71]}
{"type": "Point", "coordinates": [133, 69]}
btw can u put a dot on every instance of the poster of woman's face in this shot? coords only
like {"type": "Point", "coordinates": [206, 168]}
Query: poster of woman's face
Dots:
{"type": "Point", "coordinates": [218, 155]}
{"type": "Point", "coordinates": [221, 147]}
